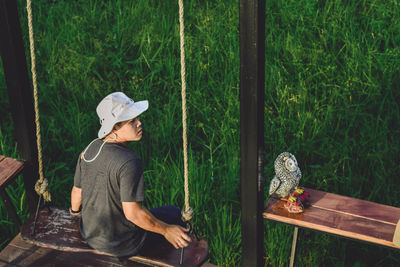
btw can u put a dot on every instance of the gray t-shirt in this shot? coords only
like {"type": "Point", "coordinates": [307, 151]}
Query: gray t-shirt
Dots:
{"type": "Point", "coordinates": [115, 176]}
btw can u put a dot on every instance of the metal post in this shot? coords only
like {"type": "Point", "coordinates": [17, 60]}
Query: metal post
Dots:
{"type": "Point", "coordinates": [19, 93]}
{"type": "Point", "coordinates": [252, 79]}
{"type": "Point", "coordinates": [294, 242]}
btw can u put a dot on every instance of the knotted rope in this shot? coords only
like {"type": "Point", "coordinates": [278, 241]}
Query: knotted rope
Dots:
{"type": "Point", "coordinates": [42, 183]}
{"type": "Point", "coordinates": [187, 213]}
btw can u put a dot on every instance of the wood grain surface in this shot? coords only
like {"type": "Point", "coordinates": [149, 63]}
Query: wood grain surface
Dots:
{"type": "Point", "coordinates": [340, 215]}
{"type": "Point", "coordinates": [9, 169]}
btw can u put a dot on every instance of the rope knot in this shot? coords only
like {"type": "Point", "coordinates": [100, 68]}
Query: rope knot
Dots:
{"type": "Point", "coordinates": [187, 214]}
{"type": "Point", "coordinates": [41, 189]}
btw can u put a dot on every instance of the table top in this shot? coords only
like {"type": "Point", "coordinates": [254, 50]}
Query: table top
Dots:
{"type": "Point", "coordinates": [340, 215]}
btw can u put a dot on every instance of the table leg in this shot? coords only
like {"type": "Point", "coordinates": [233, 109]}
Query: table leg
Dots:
{"type": "Point", "coordinates": [294, 242]}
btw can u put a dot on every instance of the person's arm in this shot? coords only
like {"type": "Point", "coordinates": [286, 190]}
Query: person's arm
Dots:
{"type": "Point", "coordinates": [140, 216]}
{"type": "Point", "coordinates": [76, 199]}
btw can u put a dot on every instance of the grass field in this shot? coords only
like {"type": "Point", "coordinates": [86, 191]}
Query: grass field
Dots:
{"type": "Point", "coordinates": [332, 99]}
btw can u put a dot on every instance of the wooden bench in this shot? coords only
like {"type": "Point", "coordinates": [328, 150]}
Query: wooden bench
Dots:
{"type": "Point", "coordinates": [57, 239]}
{"type": "Point", "coordinates": [58, 229]}
{"type": "Point", "coordinates": [9, 169]}
{"type": "Point", "coordinates": [22, 253]}
{"type": "Point", "coordinates": [343, 216]}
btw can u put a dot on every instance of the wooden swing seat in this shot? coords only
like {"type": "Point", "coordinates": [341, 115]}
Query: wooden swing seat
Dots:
{"type": "Point", "coordinates": [21, 253]}
{"type": "Point", "coordinates": [343, 216]}
{"type": "Point", "coordinates": [57, 230]}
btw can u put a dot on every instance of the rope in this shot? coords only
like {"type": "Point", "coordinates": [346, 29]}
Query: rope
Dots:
{"type": "Point", "coordinates": [188, 212]}
{"type": "Point", "coordinates": [41, 184]}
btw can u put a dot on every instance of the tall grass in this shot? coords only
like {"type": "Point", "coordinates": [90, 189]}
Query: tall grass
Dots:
{"type": "Point", "coordinates": [332, 94]}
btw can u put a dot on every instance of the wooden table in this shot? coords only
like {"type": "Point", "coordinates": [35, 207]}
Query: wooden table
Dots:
{"type": "Point", "coordinates": [340, 215]}
{"type": "Point", "coordinates": [9, 169]}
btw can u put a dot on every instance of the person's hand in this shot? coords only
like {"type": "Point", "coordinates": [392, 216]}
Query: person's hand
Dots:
{"type": "Point", "coordinates": [177, 236]}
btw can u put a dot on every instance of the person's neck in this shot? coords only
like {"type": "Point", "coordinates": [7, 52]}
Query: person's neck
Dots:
{"type": "Point", "coordinates": [113, 139]}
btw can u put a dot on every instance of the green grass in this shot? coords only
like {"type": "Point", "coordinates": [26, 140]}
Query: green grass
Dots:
{"type": "Point", "coordinates": [331, 98]}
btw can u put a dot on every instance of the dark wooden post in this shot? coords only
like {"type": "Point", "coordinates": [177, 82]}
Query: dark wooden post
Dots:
{"type": "Point", "coordinates": [252, 78]}
{"type": "Point", "coordinates": [19, 93]}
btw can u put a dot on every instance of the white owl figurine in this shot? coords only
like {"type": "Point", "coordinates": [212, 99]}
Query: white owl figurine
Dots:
{"type": "Point", "coordinates": [287, 175]}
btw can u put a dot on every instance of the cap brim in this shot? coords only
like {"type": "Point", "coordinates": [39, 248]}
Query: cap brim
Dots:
{"type": "Point", "coordinates": [132, 111]}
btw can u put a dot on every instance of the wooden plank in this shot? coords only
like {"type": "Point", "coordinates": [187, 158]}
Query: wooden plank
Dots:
{"type": "Point", "coordinates": [59, 230]}
{"type": "Point", "coordinates": [164, 254]}
{"type": "Point", "coordinates": [9, 168]}
{"type": "Point", "coordinates": [22, 253]}
{"type": "Point", "coordinates": [341, 216]}
{"type": "Point", "coordinates": [396, 236]}
{"type": "Point", "coordinates": [356, 207]}
{"type": "Point", "coordinates": [55, 228]}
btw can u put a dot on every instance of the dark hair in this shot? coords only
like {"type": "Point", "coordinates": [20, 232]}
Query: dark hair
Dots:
{"type": "Point", "coordinates": [119, 125]}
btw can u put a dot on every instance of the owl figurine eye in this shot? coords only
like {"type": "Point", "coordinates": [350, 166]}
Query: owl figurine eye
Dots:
{"type": "Point", "coordinates": [290, 165]}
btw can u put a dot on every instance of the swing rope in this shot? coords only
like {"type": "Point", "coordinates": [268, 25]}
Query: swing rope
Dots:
{"type": "Point", "coordinates": [42, 183]}
{"type": "Point", "coordinates": [187, 213]}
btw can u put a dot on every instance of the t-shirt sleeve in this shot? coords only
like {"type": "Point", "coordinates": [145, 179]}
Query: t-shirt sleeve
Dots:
{"type": "Point", "coordinates": [131, 181]}
{"type": "Point", "coordinates": [77, 177]}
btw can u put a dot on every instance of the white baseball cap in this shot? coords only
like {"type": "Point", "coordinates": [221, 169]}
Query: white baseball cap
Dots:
{"type": "Point", "coordinates": [117, 107]}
